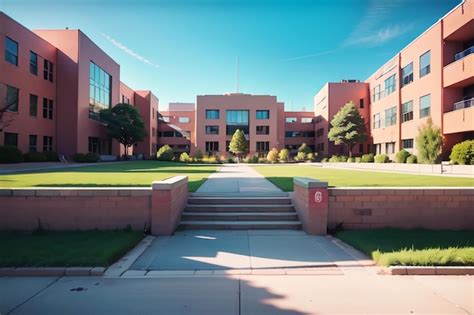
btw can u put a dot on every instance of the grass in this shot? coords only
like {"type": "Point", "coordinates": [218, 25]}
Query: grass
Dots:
{"type": "Point", "coordinates": [417, 247]}
{"type": "Point", "coordinates": [282, 176]}
{"type": "Point", "coordinates": [133, 173]}
{"type": "Point", "coordinates": [62, 249]}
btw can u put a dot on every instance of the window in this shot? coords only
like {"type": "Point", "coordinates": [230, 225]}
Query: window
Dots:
{"type": "Point", "coordinates": [212, 114]}
{"type": "Point", "coordinates": [290, 119]}
{"type": "Point", "coordinates": [237, 119]}
{"type": "Point", "coordinates": [168, 134]}
{"type": "Point", "coordinates": [391, 116]}
{"type": "Point", "coordinates": [12, 99]}
{"type": "Point", "coordinates": [378, 148]}
{"type": "Point", "coordinates": [152, 132]}
{"type": "Point", "coordinates": [263, 114]}
{"type": "Point", "coordinates": [11, 51]}
{"type": "Point", "coordinates": [407, 111]}
{"type": "Point", "coordinates": [94, 145]}
{"type": "Point", "coordinates": [47, 108]}
{"type": "Point", "coordinates": [126, 100]}
{"type": "Point", "coordinates": [376, 120]}
{"type": "Point", "coordinates": [390, 85]}
{"type": "Point", "coordinates": [99, 90]}
{"type": "Point", "coordinates": [407, 74]}
{"type": "Point", "coordinates": [292, 134]}
{"type": "Point", "coordinates": [33, 63]}
{"type": "Point", "coordinates": [227, 144]}
{"type": "Point", "coordinates": [306, 120]}
{"type": "Point", "coordinates": [183, 120]}
{"type": "Point", "coordinates": [361, 103]}
{"type": "Point", "coordinates": [263, 146]}
{"type": "Point", "coordinates": [425, 67]}
{"type": "Point", "coordinates": [33, 146]}
{"type": "Point", "coordinates": [47, 143]}
{"type": "Point", "coordinates": [263, 130]}
{"type": "Point", "coordinates": [212, 146]}
{"type": "Point", "coordinates": [320, 132]}
{"type": "Point", "coordinates": [425, 105]}
{"type": "Point", "coordinates": [48, 70]}
{"type": "Point", "coordinates": [212, 130]}
{"type": "Point", "coordinates": [11, 139]}
{"type": "Point", "coordinates": [33, 105]}
{"type": "Point", "coordinates": [376, 93]}
{"type": "Point", "coordinates": [390, 147]}
{"type": "Point", "coordinates": [407, 143]}
{"type": "Point", "coordinates": [153, 113]}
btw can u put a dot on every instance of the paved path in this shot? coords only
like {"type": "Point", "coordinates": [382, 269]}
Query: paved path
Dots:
{"type": "Point", "coordinates": [238, 178]}
{"type": "Point", "coordinates": [239, 295]}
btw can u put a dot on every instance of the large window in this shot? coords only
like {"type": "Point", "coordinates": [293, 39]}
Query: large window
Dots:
{"type": "Point", "coordinates": [376, 93]}
{"type": "Point", "coordinates": [391, 116]}
{"type": "Point", "coordinates": [263, 114]}
{"type": "Point", "coordinates": [11, 51]}
{"type": "Point", "coordinates": [291, 119]}
{"type": "Point", "coordinates": [12, 99]}
{"type": "Point", "coordinates": [11, 139]}
{"type": "Point", "coordinates": [212, 114]}
{"type": "Point", "coordinates": [237, 119]}
{"type": "Point", "coordinates": [376, 121]}
{"type": "Point", "coordinates": [47, 143]}
{"type": "Point", "coordinates": [425, 64]}
{"type": "Point", "coordinates": [94, 145]}
{"type": "Point", "coordinates": [292, 134]}
{"type": "Point", "coordinates": [407, 144]}
{"type": "Point", "coordinates": [212, 146]}
{"type": "Point", "coordinates": [263, 146]}
{"type": "Point", "coordinates": [407, 74]}
{"type": "Point", "coordinates": [47, 108]}
{"type": "Point", "coordinates": [306, 120]}
{"type": "Point", "coordinates": [99, 90]}
{"type": "Point", "coordinates": [263, 130]}
{"type": "Point", "coordinates": [425, 105]}
{"type": "Point", "coordinates": [390, 83]}
{"type": "Point", "coordinates": [33, 105]}
{"type": "Point", "coordinates": [390, 147]}
{"type": "Point", "coordinates": [183, 120]}
{"type": "Point", "coordinates": [48, 70]}
{"type": "Point", "coordinates": [212, 130]}
{"type": "Point", "coordinates": [33, 145]}
{"type": "Point", "coordinates": [407, 111]}
{"type": "Point", "coordinates": [33, 63]}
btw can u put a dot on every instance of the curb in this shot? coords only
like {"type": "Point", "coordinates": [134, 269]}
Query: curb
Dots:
{"type": "Point", "coordinates": [52, 271]}
{"type": "Point", "coordinates": [428, 270]}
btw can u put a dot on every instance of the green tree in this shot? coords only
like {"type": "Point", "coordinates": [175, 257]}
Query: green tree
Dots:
{"type": "Point", "coordinates": [348, 127]}
{"type": "Point", "coordinates": [429, 142]}
{"type": "Point", "coordinates": [272, 156]}
{"type": "Point", "coordinates": [125, 124]}
{"type": "Point", "coordinates": [238, 145]}
{"type": "Point", "coordinates": [284, 155]}
{"type": "Point", "coordinates": [304, 148]}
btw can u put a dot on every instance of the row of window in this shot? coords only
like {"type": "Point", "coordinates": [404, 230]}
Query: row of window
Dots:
{"type": "Point", "coordinates": [12, 101]}
{"type": "Point", "coordinates": [259, 130]}
{"type": "Point", "coordinates": [100, 146]}
{"type": "Point", "coordinates": [295, 134]}
{"type": "Point", "coordinates": [260, 146]}
{"type": "Point", "coordinates": [407, 144]}
{"type": "Point", "coordinates": [100, 83]}
{"type": "Point", "coordinates": [181, 119]}
{"type": "Point", "coordinates": [304, 120]}
{"type": "Point", "coordinates": [237, 114]}
{"type": "Point", "coordinates": [170, 134]}
{"type": "Point", "coordinates": [12, 139]}
{"type": "Point", "coordinates": [11, 56]}
{"type": "Point", "coordinates": [406, 114]}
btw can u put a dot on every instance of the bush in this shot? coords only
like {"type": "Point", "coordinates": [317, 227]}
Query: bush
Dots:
{"type": "Point", "coordinates": [429, 142]}
{"type": "Point", "coordinates": [310, 157]}
{"type": "Point", "coordinates": [212, 159]}
{"type": "Point", "coordinates": [85, 158]}
{"type": "Point", "coordinates": [165, 153]}
{"type": "Point", "coordinates": [463, 153]}
{"type": "Point", "coordinates": [304, 148]}
{"type": "Point", "coordinates": [401, 156]}
{"type": "Point", "coordinates": [230, 159]}
{"type": "Point", "coordinates": [338, 158]}
{"type": "Point", "coordinates": [198, 155]}
{"type": "Point", "coordinates": [51, 156]}
{"type": "Point", "coordinates": [367, 158]}
{"type": "Point", "coordinates": [351, 160]}
{"type": "Point", "coordinates": [324, 160]}
{"type": "Point", "coordinates": [34, 157]}
{"type": "Point", "coordinates": [272, 156]}
{"type": "Point", "coordinates": [381, 158]}
{"type": "Point", "coordinates": [300, 157]}
{"type": "Point", "coordinates": [262, 160]}
{"type": "Point", "coordinates": [10, 154]}
{"type": "Point", "coordinates": [412, 159]}
{"type": "Point", "coordinates": [358, 159]}
{"type": "Point", "coordinates": [184, 157]}
{"type": "Point", "coordinates": [284, 155]}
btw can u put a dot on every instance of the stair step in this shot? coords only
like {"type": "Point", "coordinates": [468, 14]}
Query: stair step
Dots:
{"type": "Point", "coordinates": [243, 216]}
{"type": "Point", "coordinates": [239, 208]}
{"type": "Point", "coordinates": [240, 201]}
{"type": "Point", "coordinates": [241, 194]}
{"type": "Point", "coordinates": [240, 225]}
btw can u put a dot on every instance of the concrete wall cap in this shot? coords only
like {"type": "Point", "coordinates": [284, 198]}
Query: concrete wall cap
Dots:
{"type": "Point", "coordinates": [169, 183]}
{"type": "Point", "coordinates": [309, 182]}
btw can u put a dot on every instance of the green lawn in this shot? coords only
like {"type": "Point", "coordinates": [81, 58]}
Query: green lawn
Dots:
{"type": "Point", "coordinates": [133, 173]}
{"type": "Point", "coordinates": [390, 247]}
{"type": "Point", "coordinates": [62, 249]}
{"type": "Point", "coordinates": [282, 176]}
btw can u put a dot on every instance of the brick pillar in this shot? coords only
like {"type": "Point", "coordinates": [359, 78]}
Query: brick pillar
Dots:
{"type": "Point", "coordinates": [310, 199]}
{"type": "Point", "coordinates": [168, 199]}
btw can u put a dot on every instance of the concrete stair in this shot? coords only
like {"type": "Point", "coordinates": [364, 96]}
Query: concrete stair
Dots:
{"type": "Point", "coordinates": [235, 212]}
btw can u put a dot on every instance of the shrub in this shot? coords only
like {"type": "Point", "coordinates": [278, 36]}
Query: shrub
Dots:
{"type": "Point", "coordinates": [300, 157]}
{"type": "Point", "coordinates": [165, 153]}
{"type": "Point", "coordinates": [429, 142]}
{"type": "Point", "coordinates": [338, 158]}
{"type": "Point", "coordinates": [381, 158]}
{"type": "Point", "coordinates": [198, 155]}
{"type": "Point", "coordinates": [272, 156]}
{"type": "Point", "coordinates": [10, 154]}
{"type": "Point", "coordinates": [34, 157]}
{"type": "Point", "coordinates": [92, 157]}
{"type": "Point", "coordinates": [262, 160]}
{"type": "Point", "coordinates": [212, 159]}
{"type": "Point", "coordinates": [184, 157]}
{"type": "Point", "coordinates": [284, 155]}
{"type": "Point", "coordinates": [351, 160]}
{"type": "Point", "coordinates": [51, 156]}
{"type": "Point", "coordinates": [253, 159]}
{"type": "Point", "coordinates": [358, 159]}
{"type": "Point", "coordinates": [85, 158]}
{"type": "Point", "coordinates": [310, 157]}
{"type": "Point", "coordinates": [324, 160]}
{"type": "Point", "coordinates": [304, 148]}
{"type": "Point", "coordinates": [463, 153]}
{"type": "Point", "coordinates": [367, 158]}
{"type": "Point", "coordinates": [401, 156]}
{"type": "Point", "coordinates": [230, 159]}
{"type": "Point", "coordinates": [412, 159]}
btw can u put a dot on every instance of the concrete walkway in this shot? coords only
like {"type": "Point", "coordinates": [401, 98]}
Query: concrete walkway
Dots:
{"type": "Point", "coordinates": [238, 178]}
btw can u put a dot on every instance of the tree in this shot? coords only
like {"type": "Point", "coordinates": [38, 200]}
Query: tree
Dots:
{"type": "Point", "coordinates": [8, 102]}
{"type": "Point", "coordinates": [304, 148]}
{"type": "Point", "coordinates": [429, 142]}
{"type": "Point", "coordinates": [284, 155]}
{"type": "Point", "coordinates": [125, 124]}
{"type": "Point", "coordinates": [348, 127]}
{"type": "Point", "coordinates": [238, 145]}
{"type": "Point", "coordinates": [272, 155]}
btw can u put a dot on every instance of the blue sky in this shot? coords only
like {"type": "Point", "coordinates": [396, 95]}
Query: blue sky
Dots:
{"type": "Point", "coordinates": [289, 48]}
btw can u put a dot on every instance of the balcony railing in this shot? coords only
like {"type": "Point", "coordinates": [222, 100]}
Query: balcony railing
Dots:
{"type": "Point", "coordinates": [464, 53]}
{"type": "Point", "coordinates": [464, 104]}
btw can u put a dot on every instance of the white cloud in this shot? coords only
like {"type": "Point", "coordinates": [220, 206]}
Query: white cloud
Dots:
{"type": "Point", "coordinates": [318, 54]}
{"type": "Point", "coordinates": [129, 51]}
{"type": "Point", "coordinates": [378, 37]}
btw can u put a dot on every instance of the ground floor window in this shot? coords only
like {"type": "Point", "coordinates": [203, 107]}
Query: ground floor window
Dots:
{"type": "Point", "coordinates": [94, 145]}
{"type": "Point", "coordinates": [47, 143]}
{"type": "Point", "coordinates": [407, 144]}
{"type": "Point", "coordinates": [263, 146]}
{"type": "Point", "coordinates": [11, 139]}
{"type": "Point", "coordinates": [390, 147]}
{"type": "Point", "coordinates": [378, 148]}
{"type": "Point", "coordinates": [33, 146]}
{"type": "Point", "coordinates": [212, 146]}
